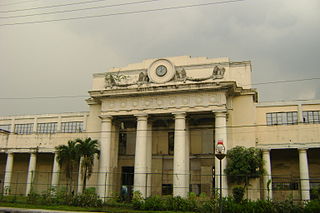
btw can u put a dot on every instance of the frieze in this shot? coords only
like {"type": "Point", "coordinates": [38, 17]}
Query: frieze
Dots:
{"type": "Point", "coordinates": [163, 102]}
{"type": "Point", "coordinates": [160, 72]}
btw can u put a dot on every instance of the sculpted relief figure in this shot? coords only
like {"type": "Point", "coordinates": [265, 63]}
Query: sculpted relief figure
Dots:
{"type": "Point", "coordinates": [110, 81]}
{"type": "Point", "coordinates": [181, 75]}
{"type": "Point", "coordinates": [143, 78]}
{"type": "Point", "coordinates": [218, 72]}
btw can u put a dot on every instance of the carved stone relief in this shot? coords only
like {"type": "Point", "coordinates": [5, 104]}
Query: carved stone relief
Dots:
{"type": "Point", "coordinates": [160, 71]}
{"type": "Point", "coordinates": [163, 102]}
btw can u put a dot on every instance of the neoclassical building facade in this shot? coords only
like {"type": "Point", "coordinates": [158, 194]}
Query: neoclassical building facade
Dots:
{"type": "Point", "coordinates": [158, 122]}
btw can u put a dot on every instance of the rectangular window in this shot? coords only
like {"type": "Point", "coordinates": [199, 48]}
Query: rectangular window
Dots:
{"type": "Point", "coordinates": [283, 186]}
{"type": "Point", "coordinates": [71, 127]}
{"type": "Point", "coordinates": [47, 128]}
{"type": "Point", "coordinates": [22, 129]}
{"type": "Point", "coordinates": [6, 127]}
{"type": "Point", "coordinates": [167, 189]}
{"type": "Point", "coordinates": [282, 118]}
{"type": "Point", "coordinates": [311, 117]}
{"type": "Point", "coordinates": [122, 143]}
{"type": "Point", "coordinates": [170, 143]}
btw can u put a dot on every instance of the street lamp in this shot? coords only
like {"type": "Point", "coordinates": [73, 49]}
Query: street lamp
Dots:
{"type": "Point", "coordinates": [220, 154]}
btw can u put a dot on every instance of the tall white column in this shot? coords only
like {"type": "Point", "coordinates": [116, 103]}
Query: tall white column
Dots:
{"type": "Point", "coordinates": [8, 173]}
{"type": "Point", "coordinates": [104, 188]}
{"type": "Point", "coordinates": [149, 159]}
{"type": "Point", "coordinates": [55, 172]}
{"type": "Point", "coordinates": [187, 157]}
{"type": "Point", "coordinates": [31, 172]}
{"type": "Point", "coordinates": [80, 178]}
{"type": "Point", "coordinates": [267, 179]}
{"type": "Point", "coordinates": [140, 163]}
{"type": "Point", "coordinates": [180, 174]}
{"type": "Point", "coordinates": [304, 175]}
{"type": "Point", "coordinates": [221, 134]}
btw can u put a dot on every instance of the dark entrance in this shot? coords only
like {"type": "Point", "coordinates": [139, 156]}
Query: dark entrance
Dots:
{"type": "Point", "coordinates": [127, 177]}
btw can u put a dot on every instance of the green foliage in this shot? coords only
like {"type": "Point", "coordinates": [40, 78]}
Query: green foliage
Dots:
{"type": "Point", "coordinates": [315, 193]}
{"type": "Point", "coordinates": [238, 193]}
{"type": "Point", "coordinates": [312, 207]}
{"type": "Point", "coordinates": [137, 200]}
{"type": "Point", "coordinates": [87, 149]}
{"type": "Point", "coordinates": [244, 164]}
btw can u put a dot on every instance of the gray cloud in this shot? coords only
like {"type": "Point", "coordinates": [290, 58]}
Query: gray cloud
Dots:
{"type": "Point", "coordinates": [52, 59]}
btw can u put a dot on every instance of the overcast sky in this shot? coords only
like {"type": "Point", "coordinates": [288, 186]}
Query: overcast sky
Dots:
{"type": "Point", "coordinates": [279, 37]}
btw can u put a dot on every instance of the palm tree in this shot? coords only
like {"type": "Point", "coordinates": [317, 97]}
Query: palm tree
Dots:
{"type": "Point", "coordinates": [87, 150]}
{"type": "Point", "coordinates": [68, 155]}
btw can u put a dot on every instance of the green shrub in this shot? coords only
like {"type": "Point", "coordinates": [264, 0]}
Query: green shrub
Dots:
{"type": "Point", "coordinates": [312, 207]}
{"type": "Point", "coordinates": [137, 200]}
{"type": "Point", "coordinates": [238, 193]}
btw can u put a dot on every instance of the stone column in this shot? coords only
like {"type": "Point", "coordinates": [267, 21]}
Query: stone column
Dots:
{"type": "Point", "coordinates": [31, 171]}
{"type": "Point", "coordinates": [187, 156]}
{"type": "Point", "coordinates": [8, 173]}
{"type": "Point", "coordinates": [304, 175]}
{"type": "Point", "coordinates": [140, 163]}
{"type": "Point", "coordinates": [104, 189]}
{"type": "Point", "coordinates": [149, 159]}
{"type": "Point", "coordinates": [221, 134]}
{"type": "Point", "coordinates": [55, 172]}
{"type": "Point", "coordinates": [59, 124]}
{"type": "Point", "coordinates": [180, 175]}
{"type": "Point", "coordinates": [80, 178]}
{"type": "Point", "coordinates": [267, 178]}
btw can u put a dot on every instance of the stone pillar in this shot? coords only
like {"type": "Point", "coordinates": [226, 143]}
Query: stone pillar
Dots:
{"type": "Point", "coordinates": [267, 178]}
{"type": "Point", "coordinates": [104, 188]}
{"type": "Point", "coordinates": [55, 172]}
{"type": "Point", "coordinates": [221, 134]}
{"type": "Point", "coordinates": [304, 175]}
{"type": "Point", "coordinates": [80, 178]}
{"type": "Point", "coordinates": [149, 159]}
{"type": "Point", "coordinates": [187, 156]}
{"type": "Point", "coordinates": [35, 123]}
{"type": "Point", "coordinates": [31, 171]}
{"type": "Point", "coordinates": [180, 175]}
{"type": "Point", "coordinates": [8, 173]}
{"type": "Point", "coordinates": [59, 124]}
{"type": "Point", "coordinates": [140, 163]}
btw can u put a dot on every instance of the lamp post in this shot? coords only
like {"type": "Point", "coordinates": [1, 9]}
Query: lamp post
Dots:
{"type": "Point", "coordinates": [220, 154]}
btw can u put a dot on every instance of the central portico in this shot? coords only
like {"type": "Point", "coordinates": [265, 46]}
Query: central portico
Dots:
{"type": "Point", "coordinates": [179, 97]}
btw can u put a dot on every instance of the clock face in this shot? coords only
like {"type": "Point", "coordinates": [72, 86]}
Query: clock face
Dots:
{"type": "Point", "coordinates": [161, 70]}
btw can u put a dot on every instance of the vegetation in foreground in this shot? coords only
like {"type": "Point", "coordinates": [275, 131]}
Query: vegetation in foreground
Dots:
{"type": "Point", "coordinates": [89, 201]}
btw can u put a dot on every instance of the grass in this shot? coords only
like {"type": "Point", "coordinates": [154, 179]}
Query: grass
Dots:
{"type": "Point", "coordinates": [73, 208]}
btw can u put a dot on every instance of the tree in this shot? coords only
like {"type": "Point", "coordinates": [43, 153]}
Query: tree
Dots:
{"type": "Point", "coordinates": [244, 164]}
{"type": "Point", "coordinates": [68, 155]}
{"type": "Point", "coordinates": [87, 150]}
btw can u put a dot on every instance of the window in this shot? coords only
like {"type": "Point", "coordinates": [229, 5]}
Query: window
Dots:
{"type": "Point", "coordinates": [170, 143]}
{"type": "Point", "coordinates": [122, 143]}
{"type": "Point", "coordinates": [285, 186]}
{"type": "Point", "coordinates": [5, 127]}
{"type": "Point", "coordinates": [282, 118]}
{"type": "Point", "coordinates": [23, 129]}
{"type": "Point", "coordinates": [46, 128]}
{"type": "Point", "coordinates": [311, 117]}
{"type": "Point", "coordinates": [74, 126]}
{"type": "Point", "coordinates": [167, 189]}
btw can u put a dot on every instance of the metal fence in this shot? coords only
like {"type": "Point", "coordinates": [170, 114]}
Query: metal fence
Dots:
{"type": "Point", "coordinates": [121, 184]}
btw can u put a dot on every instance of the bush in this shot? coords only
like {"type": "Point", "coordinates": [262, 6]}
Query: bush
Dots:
{"type": "Point", "coordinates": [312, 207]}
{"type": "Point", "coordinates": [238, 193]}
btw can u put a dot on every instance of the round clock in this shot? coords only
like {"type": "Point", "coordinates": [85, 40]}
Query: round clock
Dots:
{"type": "Point", "coordinates": [161, 70]}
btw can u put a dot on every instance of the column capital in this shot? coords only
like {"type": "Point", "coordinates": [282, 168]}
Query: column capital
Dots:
{"type": "Point", "coordinates": [220, 113]}
{"type": "Point", "coordinates": [142, 116]}
{"type": "Point", "coordinates": [265, 150]}
{"type": "Point", "coordinates": [105, 118]}
{"type": "Point", "coordinates": [302, 149]}
{"type": "Point", "coordinates": [179, 115]}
